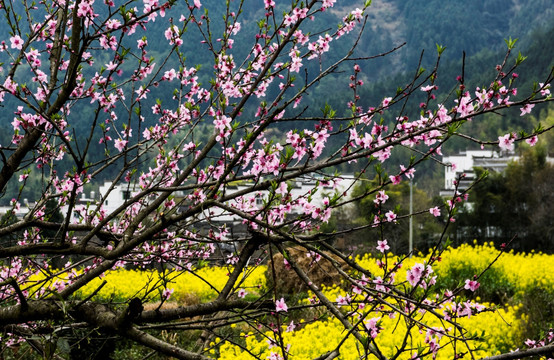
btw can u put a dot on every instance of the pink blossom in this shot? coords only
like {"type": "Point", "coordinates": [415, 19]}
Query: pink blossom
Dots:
{"type": "Point", "coordinates": [120, 144]}
{"type": "Point", "coordinates": [108, 43]}
{"type": "Point", "coordinates": [343, 300]}
{"type": "Point", "coordinates": [16, 123]}
{"type": "Point", "coordinates": [10, 85]}
{"type": "Point", "coordinates": [395, 179]}
{"type": "Point", "coordinates": [170, 75]}
{"type": "Point", "coordinates": [391, 216]}
{"type": "Point", "coordinates": [113, 24]}
{"type": "Point", "coordinates": [465, 105]}
{"type": "Point", "coordinates": [372, 326]}
{"type": "Point", "coordinates": [280, 305]}
{"type": "Point", "coordinates": [471, 285]}
{"type": "Point", "coordinates": [506, 142]}
{"type": "Point", "coordinates": [435, 211]}
{"type": "Point", "coordinates": [291, 326]}
{"type": "Point", "coordinates": [166, 293]}
{"type": "Point", "coordinates": [274, 356]}
{"type": "Point", "coordinates": [286, 264]}
{"type": "Point", "coordinates": [297, 101]}
{"type": "Point", "coordinates": [16, 42]}
{"type": "Point", "coordinates": [111, 66]}
{"type": "Point", "coordinates": [412, 277]}
{"type": "Point", "coordinates": [379, 284]}
{"type": "Point", "coordinates": [327, 4]}
{"type": "Point", "coordinates": [232, 259]}
{"type": "Point", "coordinates": [358, 14]}
{"type": "Point", "coordinates": [382, 246]}
{"type": "Point", "coordinates": [301, 37]}
{"type": "Point", "coordinates": [544, 89]}
{"type": "Point", "coordinates": [242, 293]}
{"type": "Point", "coordinates": [415, 274]}
{"type": "Point", "coordinates": [172, 34]}
{"type": "Point", "coordinates": [408, 172]}
{"type": "Point", "coordinates": [141, 43]}
{"type": "Point", "coordinates": [526, 109]}
{"type": "Point", "coordinates": [532, 140]}
{"type": "Point", "coordinates": [85, 9]}
{"type": "Point", "coordinates": [381, 197]}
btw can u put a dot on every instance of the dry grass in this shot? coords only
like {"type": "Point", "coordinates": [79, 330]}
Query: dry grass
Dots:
{"type": "Point", "coordinates": [321, 272]}
{"type": "Point", "coordinates": [186, 300]}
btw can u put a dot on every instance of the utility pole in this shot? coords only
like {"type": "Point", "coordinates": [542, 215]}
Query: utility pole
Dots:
{"type": "Point", "coordinates": [411, 236]}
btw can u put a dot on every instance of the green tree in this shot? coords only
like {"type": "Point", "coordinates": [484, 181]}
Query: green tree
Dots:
{"type": "Point", "coordinates": [7, 219]}
{"type": "Point", "coordinates": [517, 203]}
{"type": "Point", "coordinates": [425, 227]}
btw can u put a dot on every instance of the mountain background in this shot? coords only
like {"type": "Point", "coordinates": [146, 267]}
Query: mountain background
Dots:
{"type": "Point", "coordinates": [476, 28]}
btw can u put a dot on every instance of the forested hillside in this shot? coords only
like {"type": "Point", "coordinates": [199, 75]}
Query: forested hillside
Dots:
{"type": "Point", "coordinates": [475, 27]}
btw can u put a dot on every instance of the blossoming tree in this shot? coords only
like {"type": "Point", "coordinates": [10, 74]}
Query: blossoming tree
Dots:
{"type": "Point", "coordinates": [180, 158]}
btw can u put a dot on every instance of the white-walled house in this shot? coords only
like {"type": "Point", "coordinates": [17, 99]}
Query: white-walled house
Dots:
{"type": "Point", "coordinates": [116, 194]}
{"type": "Point", "coordinates": [298, 187]}
{"type": "Point", "coordinates": [466, 161]}
{"type": "Point", "coordinates": [19, 212]}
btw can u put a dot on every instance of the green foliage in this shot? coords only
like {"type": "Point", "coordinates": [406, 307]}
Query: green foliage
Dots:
{"type": "Point", "coordinates": [425, 226]}
{"type": "Point", "coordinates": [538, 306]}
{"type": "Point", "coordinates": [9, 239]}
{"type": "Point", "coordinates": [517, 203]}
{"type": "Point", "coordinates": [495, 285]}
{"type": "Point", "coordinates": [511, 43]}
{"type": "Point", "coordinates": [391, 24]}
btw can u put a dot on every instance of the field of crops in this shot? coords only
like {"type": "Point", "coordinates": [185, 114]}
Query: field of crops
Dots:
{"type": "Point", "coordinates": [513, 279]}
{"type": "Point", "coordinates": [509, 287]}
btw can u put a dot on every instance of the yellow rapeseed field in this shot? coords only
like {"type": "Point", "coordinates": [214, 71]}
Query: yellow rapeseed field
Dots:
{"type": "Point", "coordinates": [523, 271]}
{"type": "Point", "coordinates": [313, 339]}
{"type": "Point", "coordinates": [501, 329]}
{"type": "Point", "coordinates": [495, 331]}
{"type": "Point", "coordinates": [196, 285]}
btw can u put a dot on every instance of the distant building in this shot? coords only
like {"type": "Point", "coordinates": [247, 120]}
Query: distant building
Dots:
{"type": "Point", "coordinates": [19, 212]}
{"type": "Point", "coordinates": [81, 201]}
{"type": "Point", "coordinates": [300, 187]}
{"type": "Point", "coordinates": [116, 195]}
{"type": "Point", "coordinates": [466, 161]}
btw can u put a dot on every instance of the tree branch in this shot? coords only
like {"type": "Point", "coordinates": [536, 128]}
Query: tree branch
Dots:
{"type": "Point", "coordinates": [547, 350]}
